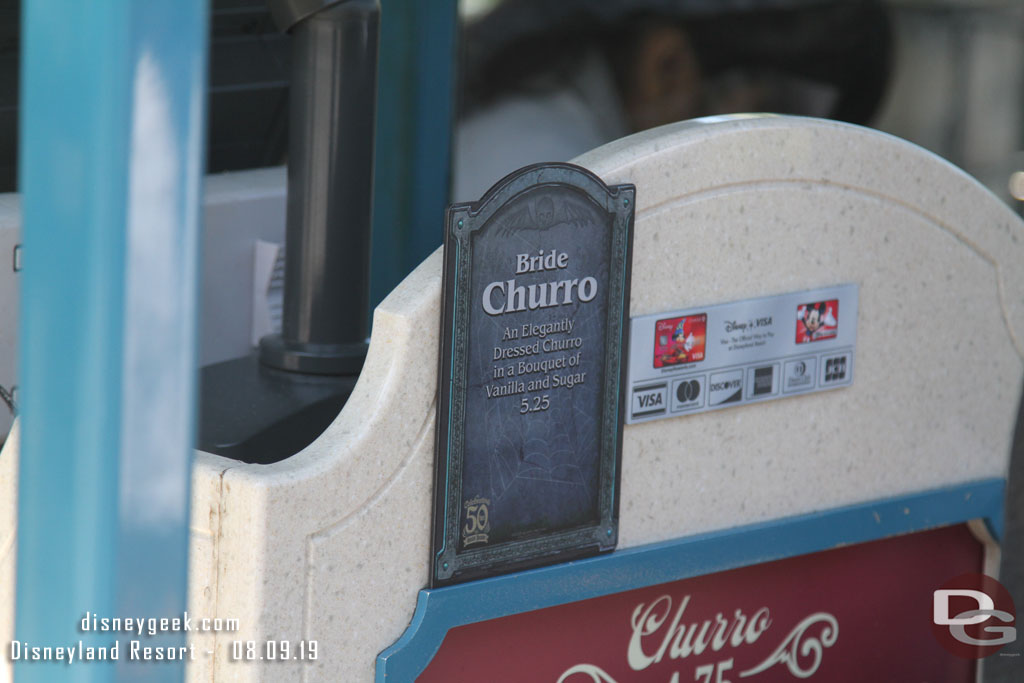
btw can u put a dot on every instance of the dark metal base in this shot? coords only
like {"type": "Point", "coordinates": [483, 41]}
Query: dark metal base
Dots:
{"type": "Point", "coordinates": [256, 414]}
{"type": "Point", "coordinates": [315, 359]}
{"type": "Point", "coordinates": [1011, 571]}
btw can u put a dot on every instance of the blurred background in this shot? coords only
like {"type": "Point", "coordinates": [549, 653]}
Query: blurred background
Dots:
{"type": "Point", "coordinates": [945, 74]}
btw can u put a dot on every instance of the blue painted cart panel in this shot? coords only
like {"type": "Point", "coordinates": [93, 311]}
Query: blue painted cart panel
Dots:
{"type": "Point", "coordinates": [112, 119]}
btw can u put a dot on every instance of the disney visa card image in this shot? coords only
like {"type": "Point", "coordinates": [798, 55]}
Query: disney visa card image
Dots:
{"type": "Point", "coordinates": [680, 340]}
{"type": "Point", "coordinates": [817, 321]}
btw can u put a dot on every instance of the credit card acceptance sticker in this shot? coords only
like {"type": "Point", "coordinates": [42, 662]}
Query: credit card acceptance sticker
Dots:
{"type": "Point", "coordinates": [727, 355]}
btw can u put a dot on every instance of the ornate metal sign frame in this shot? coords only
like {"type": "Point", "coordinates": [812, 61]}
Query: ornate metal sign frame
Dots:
{"type": "Point", "coordinates": [606, 226]}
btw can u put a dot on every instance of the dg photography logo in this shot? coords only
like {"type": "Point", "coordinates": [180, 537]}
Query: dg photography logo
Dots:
{"type": "Point", "coordinates": [973, 616]}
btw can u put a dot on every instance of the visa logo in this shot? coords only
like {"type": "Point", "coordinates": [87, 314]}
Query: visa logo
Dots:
{"type": "Point", "coordinates": [649, 400]}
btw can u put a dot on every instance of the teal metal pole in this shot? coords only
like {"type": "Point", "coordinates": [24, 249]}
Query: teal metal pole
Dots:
{"type": "Point", "coordinates": [415, 109]}
{"type": "Point", "coordinates": [113, 99]}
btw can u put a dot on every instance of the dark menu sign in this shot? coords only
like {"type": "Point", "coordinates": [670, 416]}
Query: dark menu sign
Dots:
{"type": "Point", "coordinates": [531, 391]}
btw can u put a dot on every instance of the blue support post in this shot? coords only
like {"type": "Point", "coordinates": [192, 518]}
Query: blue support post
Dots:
{"type": "Point", "coordinates": [415, 109]}
{"type": "Point", "coordinates": [112, 117]}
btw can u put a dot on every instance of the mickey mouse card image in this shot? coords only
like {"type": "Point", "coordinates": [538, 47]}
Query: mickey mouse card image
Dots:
{"type": "Point", "coordinates": [817, 321]}
{"type": "Point", "coordinates": [680, 340]}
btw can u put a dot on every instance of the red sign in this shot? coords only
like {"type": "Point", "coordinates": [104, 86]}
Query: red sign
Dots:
{"type": "Point", "coordinates": [861, 612]}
